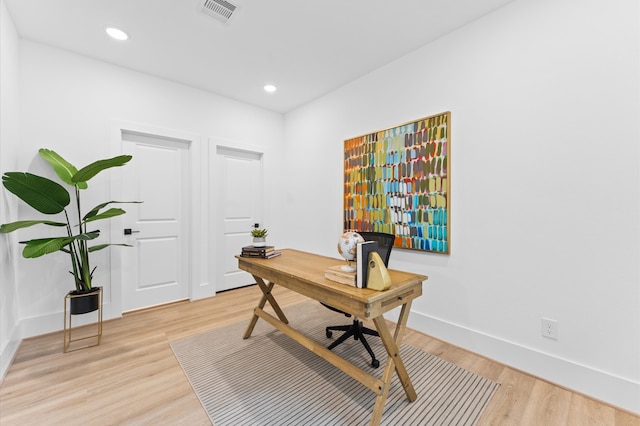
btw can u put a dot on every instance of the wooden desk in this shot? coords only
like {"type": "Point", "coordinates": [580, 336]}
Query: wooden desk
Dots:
{"type": "Point", "coordinates": [304, 273]}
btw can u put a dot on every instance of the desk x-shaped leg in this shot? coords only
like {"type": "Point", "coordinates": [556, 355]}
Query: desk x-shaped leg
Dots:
{"type": "Point", "coordinates": [266, 295]}
{"type": "Point", "coordinates": [394, 361]}
{"type": "Point", "coordinates": [391, 344]}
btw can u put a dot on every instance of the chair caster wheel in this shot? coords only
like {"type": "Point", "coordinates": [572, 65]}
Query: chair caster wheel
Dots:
{"type": "Point", "coordinates": [375, 363]}
{"type": "Point", "coordinates": [329, 334]}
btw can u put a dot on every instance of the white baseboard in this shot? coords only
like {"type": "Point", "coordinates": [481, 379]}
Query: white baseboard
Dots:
{"type": "Point", "coordinates": [617, 391]}
{"type": "Point", "coordinates": [50, 323]}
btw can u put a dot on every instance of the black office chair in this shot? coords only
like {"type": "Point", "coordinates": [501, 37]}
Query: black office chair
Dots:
{"type": "Point", "coordinates": [356, 328]}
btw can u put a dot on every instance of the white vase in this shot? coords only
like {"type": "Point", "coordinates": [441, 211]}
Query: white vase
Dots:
{"type": "Point", "coordinates": [259, 241]}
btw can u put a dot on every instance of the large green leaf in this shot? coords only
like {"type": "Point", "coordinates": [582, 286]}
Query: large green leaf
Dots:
{"type": "Point", "coordinates": [94, 168]}
{"type": "Point", "coordinates": [101, 246]}
{"type": "Point", "coordinates": [105, 215]}
{"type": "Point", "coordinates": [97, 208]}
{"type": "Point", "coordinates": [44, 195]}
{"type": "Point", "coordinates": [42, 246]}
{"type": "Point", "coordinates": [62, 167]}
{"type": "Point", "coordinates": [87, 236]}
{"type": "Point", "coordinates": [10, 227]}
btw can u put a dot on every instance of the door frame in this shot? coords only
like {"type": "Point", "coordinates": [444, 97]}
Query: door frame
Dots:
{"type": "Point", "coordinates": [197, 189]}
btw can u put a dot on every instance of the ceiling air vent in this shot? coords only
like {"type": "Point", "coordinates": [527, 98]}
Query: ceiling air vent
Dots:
{"type": "Point", "coordinates": [218, 9]}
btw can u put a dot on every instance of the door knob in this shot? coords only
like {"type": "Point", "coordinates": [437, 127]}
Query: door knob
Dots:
{"type": "Point", "coordinates": [128, 231]}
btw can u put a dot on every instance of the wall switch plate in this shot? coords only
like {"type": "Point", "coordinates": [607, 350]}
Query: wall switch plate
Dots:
{"type": "Point", "coordinates": [550, 328]}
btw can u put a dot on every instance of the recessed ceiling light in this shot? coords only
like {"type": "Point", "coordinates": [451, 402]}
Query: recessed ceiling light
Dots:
{"type": "Point", "coordinates": [117, 33]}
{"type": "Point", "coordinates": [270, 88]}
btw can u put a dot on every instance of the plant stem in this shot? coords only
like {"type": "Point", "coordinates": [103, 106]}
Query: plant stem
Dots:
{"type": "Point", "coordinates": [85, 268]}
{"type": "Point", "coordinates": [75, 263]}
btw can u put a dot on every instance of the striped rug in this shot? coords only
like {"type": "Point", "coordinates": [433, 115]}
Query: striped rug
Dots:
{"type": "Point", "coordinates": [270, 379]}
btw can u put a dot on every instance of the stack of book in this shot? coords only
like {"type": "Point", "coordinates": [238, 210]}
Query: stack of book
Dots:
{"type": "Point", "coordinates": [335, 273]}
{"type": "Point", "coordinates": [266, 252]}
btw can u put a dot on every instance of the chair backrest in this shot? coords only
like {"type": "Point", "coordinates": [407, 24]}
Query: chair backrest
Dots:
{"type": "Point", "coordinates": [385, 243]}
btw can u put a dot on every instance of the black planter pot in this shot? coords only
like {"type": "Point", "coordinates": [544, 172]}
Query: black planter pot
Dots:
{"type": "Point", "coordinates": [84, 301]}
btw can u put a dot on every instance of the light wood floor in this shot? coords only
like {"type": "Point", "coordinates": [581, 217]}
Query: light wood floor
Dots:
{"type": "Point", "coordinates": [132, 378]}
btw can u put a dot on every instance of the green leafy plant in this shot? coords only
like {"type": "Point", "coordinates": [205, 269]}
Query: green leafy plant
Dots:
{"type": "Point", "coordinates": [51, 198]}
{"type": "Point", "coordinates": [259, 233]}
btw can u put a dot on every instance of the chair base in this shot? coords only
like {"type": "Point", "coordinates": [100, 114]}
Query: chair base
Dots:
{"type": "Point", "coordinates": [358, 331]}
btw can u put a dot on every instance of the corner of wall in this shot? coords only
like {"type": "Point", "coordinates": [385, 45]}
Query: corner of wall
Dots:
{"type": "Point", "coordinates": [9, 352]}
{"type": "Point", "coordinates": [9, 141]}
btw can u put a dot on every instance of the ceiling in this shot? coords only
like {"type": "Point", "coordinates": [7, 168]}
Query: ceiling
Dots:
{"type": "Point", "coordinates": [305, 48]}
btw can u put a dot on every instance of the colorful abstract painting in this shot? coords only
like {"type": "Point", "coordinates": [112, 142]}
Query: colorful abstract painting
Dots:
{"type": "Point", "coordinates": [397, 181]}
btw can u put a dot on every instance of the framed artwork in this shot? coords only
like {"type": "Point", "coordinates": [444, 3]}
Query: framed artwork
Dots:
{"type": "Point", "coordinates": [397, 181]}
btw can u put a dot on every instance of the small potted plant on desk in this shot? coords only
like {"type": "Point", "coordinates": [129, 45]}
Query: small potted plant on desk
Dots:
{"type": "Point", "coordinates": [51, 198]}
{"type": "Point", "coordinates": [259, 237]}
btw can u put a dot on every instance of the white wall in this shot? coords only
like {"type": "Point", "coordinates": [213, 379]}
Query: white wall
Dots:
{"type": "Point", "coordinates": [70, 103]}
{"type": "Point", "coordinates": [544, 96]}
{"type": "Point", "coordinates": [545, 188]}
{"type": "Point", "coordinates": [9, 135]}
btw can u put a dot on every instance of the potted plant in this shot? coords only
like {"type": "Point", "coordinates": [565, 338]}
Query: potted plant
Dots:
{"type": "Point", "coordinates": [51, 198]}
{"type": "Point", "coordinates": [259, 237]}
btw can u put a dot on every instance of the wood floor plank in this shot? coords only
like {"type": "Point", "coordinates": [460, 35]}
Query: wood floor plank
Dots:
{"type": "Point", "coordinates": [133, 378]}
{"type": "Point", "coordinates": [547, 405]}
{"type": "Point", "coordinates": [585, 411]}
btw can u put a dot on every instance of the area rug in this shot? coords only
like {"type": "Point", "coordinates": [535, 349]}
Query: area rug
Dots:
{"type": "Point", "coordinates": [269, 379]}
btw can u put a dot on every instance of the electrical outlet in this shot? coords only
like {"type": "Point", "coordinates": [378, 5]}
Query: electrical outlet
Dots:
{"type": "Point", "coordinates": [550, 328]}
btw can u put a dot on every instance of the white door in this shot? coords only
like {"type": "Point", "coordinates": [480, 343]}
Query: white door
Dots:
{"type": "Point", "coordinates": [239, 177]}
{"type": "Point", "coordinates": [156, 270]}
